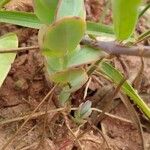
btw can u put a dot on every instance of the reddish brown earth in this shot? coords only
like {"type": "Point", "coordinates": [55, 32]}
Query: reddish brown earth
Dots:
{"type": "Point", "coordinates": [25, 86]}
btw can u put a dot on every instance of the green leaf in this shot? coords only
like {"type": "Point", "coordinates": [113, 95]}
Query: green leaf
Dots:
{"type": "Point", "coordinates": [85, 55]}
{"type": "Point", "coordinates": [98, 29]}
{"type": "Point", "coordinates": [125, 15]}
{"type": "Point", "coordinates": [45, 10]}
{"type": "Point", "coordinates": [75, 77]}
{"type": "Point", "coordinates": [6, 59]}
{"type": "Point", "coordinates": [20, 18]}
{"type": "Point", "coordinates": [80, 56]}
{"type": "Point", "coordinates": [62, 37]}
{"type": "Point", "coordinates": [117, 77]}
{"type": "Point", "coordinates": [71, 8]}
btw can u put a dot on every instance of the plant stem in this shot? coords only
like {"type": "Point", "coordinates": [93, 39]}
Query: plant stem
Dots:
{"type": "Point", "coordinates": [111, 47]}
{"type": "Point", "coordinates": [20, 49]}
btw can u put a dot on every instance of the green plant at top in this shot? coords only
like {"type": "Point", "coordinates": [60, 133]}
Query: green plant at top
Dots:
{"type": "Point", "coordinates": [62, 25]}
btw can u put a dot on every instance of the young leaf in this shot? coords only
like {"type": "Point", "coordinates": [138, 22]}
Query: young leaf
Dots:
{"type": "Point", "coordinates": [45, 10]}
{"type": "Point", "coordinates": [62, 37]}
{"type": "Point", "coordinates": [125, 15]}
{"type": "Point", "coordinates": [117, 77]}
{"type": "Point", "coordinates": [71, 8]}
{"type": "Point", "coordinates": [6, 59]}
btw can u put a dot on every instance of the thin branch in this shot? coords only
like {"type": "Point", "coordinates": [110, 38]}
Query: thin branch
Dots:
{"type": "Point", "coordinates": [111, 47]}
{"type": "Point", "coordinates": [41, 113]}
{"type": "Point", "coordinates": [20, 49]}
{"type": "Point", "coordinates": [35, 115]}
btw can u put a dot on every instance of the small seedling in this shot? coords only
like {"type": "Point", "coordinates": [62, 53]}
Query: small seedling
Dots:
{"type": "Point", "coordinates": [83, 112]}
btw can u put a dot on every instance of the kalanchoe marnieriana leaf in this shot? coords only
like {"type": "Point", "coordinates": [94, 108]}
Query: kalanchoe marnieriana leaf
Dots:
{"type": "Point", "coordinates": [125, 15]}
{"type": "Point", "coordinates": [62, 37]}
{"type": "Point", "coordinates": [6, 59]}
{"type": "Point", "coordinates": [71, 8]}
{"type": "Point", "coordinates": [45, 10]}
{"type": "Point", "coordinates": [117, 77]}
{"type": "Point", "coordinates": [83, 112]}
